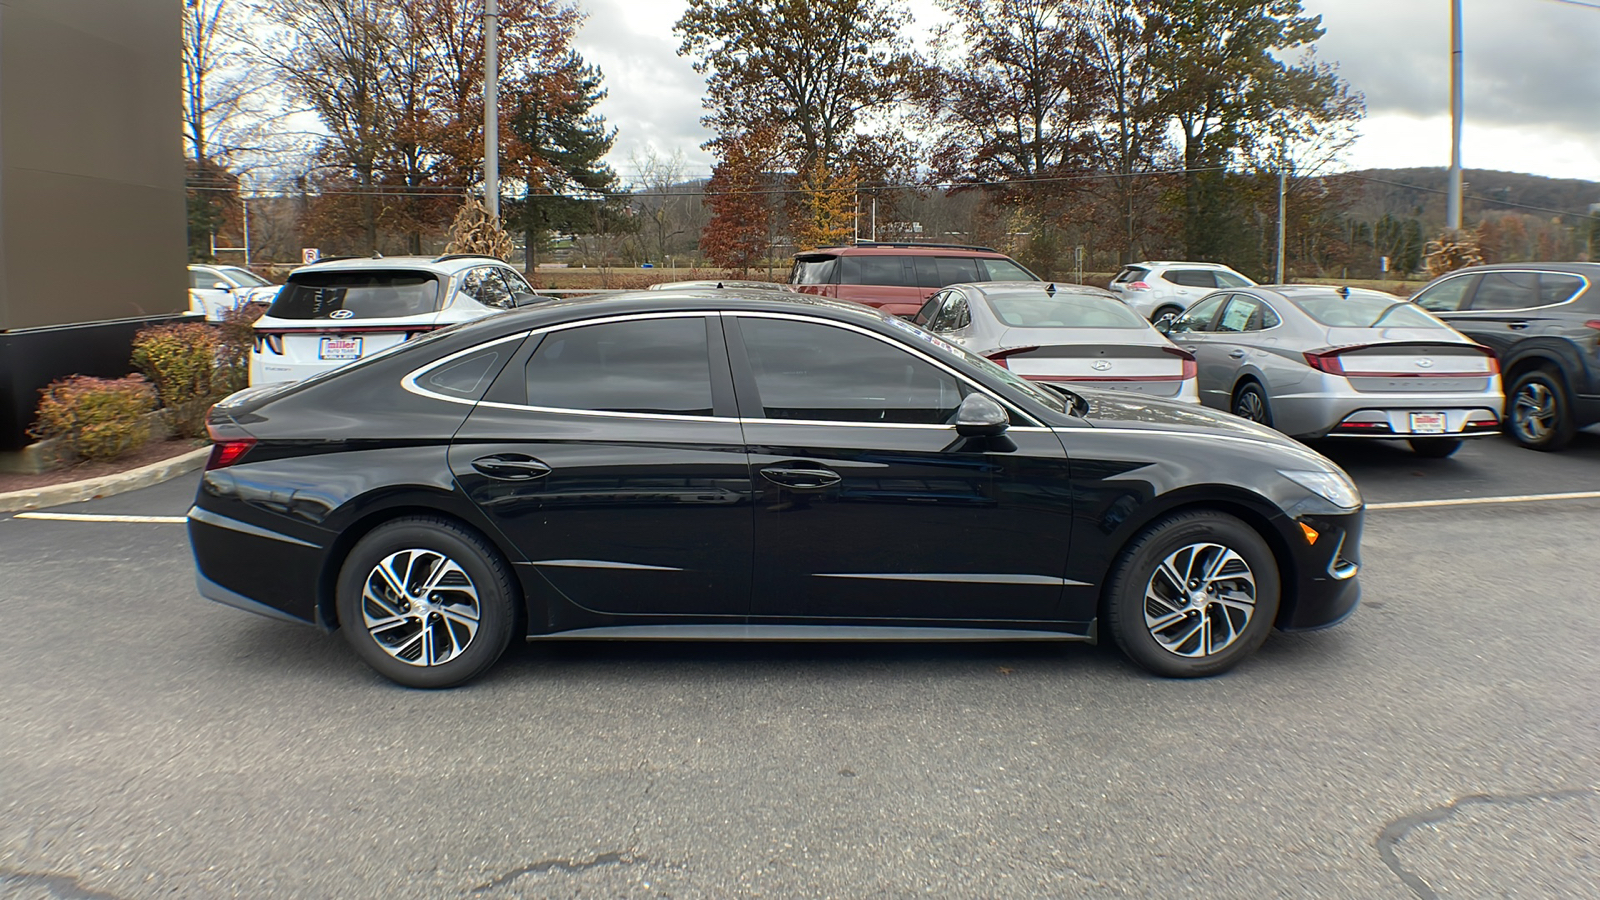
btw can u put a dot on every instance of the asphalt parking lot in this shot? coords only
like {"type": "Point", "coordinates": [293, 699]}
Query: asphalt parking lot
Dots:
{"type": "Point", "coordinates": [1442, 742]}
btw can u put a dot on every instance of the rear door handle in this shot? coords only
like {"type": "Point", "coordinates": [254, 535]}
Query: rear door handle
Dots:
{"type": "Point", "coordinates": [511, 467]}
{"type": "Point", "coordinates": [1237, 354]}
{"type": "Point", "coordinates": [801, 479]}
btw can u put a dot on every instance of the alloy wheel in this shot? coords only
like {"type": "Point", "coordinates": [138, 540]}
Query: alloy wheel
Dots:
{"type": "Point", "coordinates": [420, 607]}
{"type": "Point", "coordinates": [1250, 406]}
{"type": "Point", "coordinates": [1199, 600]}
{"type": "Point", "coordinates": [1533, 411]}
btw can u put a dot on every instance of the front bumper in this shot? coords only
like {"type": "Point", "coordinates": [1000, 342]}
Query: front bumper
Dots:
{"type": "Point", "coordinates": [1326, 581]}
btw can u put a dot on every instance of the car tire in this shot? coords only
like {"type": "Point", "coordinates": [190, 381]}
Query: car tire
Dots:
{"type": "Point", "coordinates": [1435, 448]}
{"type": "Point", "coordinates": [1165, 311]}
{"type": "Point", "coordinates": [1250, 402]}
{"type": "Point", "coordinates": [1172, 629]}
{"type": "Point", "coordinates": [1539, 412]}
{"type": "Point", "coordinates": [414, 584]}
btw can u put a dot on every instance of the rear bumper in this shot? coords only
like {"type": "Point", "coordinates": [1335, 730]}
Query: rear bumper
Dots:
{"type": "Point", "coordinates": [1315, 414]}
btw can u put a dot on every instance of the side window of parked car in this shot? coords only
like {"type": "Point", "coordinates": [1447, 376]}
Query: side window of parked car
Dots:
{"type": "Point", "coordinates": [1266, 319]}
{"type": "Point", "coordinates": [1240, 315]}
{"type": "Point", "coordinates": [201, 280]}
{"type": "Point", "coordinates": [1199, 317]}
{"type": "Point", "coordinates": [880, 270]}
{"type": "Point", "coordinates": [1447, 295]}
{"type": "Point", "coordinates": [1506, 290]}
{"type": "Point", "coordinates": [826, 373]}
{"type": "Point", "coordinates": [1192, 277]}
{"type": "Point", "coordinates": [954, 315]}
{"type": "Point", "coordinates": [930, 310]}
{"type": "Point", "coordinates": [1555, 287]}
{"type": "Point", "coordinates": [644, 366]}
{"type": "Point", "coordinates": [515, 282]}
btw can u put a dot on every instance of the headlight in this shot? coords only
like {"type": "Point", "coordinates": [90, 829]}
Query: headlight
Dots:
{"type": "Point", "coordinates": [1332, 486]}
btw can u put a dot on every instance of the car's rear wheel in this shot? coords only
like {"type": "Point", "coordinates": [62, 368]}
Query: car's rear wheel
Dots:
{"type": "Point", "coordinates": [1435, 448]}
{"type": "Point", "coordinates": [1539, 412]}
{"type": "Point", "coordinates": [426, 602]}
{"type": "Point", "coordinates": [1193, 595]}
{"type": "Point", "coordinates": [1250, 402]}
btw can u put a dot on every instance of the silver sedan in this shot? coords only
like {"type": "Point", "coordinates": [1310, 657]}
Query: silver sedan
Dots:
{"type": "Point", "coordinates": [1061, 333]}
{"type": "Point", "coordinates": [1315, 361]}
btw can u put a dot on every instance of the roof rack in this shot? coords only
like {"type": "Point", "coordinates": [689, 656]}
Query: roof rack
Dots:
{"type": "Point", "coordinates": [439, 259]}
{"type": "Point", "coordinates": [323, 259]}
{"type": "Point", "coordinates": [911, 245]}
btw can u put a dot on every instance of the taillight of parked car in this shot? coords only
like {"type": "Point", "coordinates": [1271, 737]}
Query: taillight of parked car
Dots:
{"type": "Point", "coordinates": [225, 451]}
{"type": "Point", "coordinates": [1137, 286]}
{"type": "Point", "coordinates": [1190, 368]}
{"type": "Point", "coordinates": [999, 356]}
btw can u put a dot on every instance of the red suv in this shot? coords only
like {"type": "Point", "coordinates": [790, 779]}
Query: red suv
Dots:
{"type": "Point", "coordinates": [898, 278]}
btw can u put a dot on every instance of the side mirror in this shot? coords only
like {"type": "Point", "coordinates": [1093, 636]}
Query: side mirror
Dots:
{"type": "Point", "coordinates": [980, 416]}
{"type": "Point", "coordinates": [1164, 324]}
{"type": "Point", "coordinates": [222, 286]}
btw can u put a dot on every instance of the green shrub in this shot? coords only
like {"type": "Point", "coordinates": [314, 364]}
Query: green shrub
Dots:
{"type": "Point", "coordinates": [96, 418]}
{"type": "Point", "coordinates": [182, 361]}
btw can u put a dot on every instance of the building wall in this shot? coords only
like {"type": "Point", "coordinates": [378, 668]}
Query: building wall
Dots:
{"type": "Point", "coordinates": [91, 161]}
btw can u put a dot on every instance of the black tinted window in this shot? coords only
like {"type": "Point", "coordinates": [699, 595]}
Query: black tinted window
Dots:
{"type": "Point", "coordinates": [815, 270]}
{"type": "Point", "coordinates": [1506, 290]}
{"type": "Point", "coordinates": [1131, 274]}
{"type": "Point", "coordinates": [468, 376]}
{"type": "Point", "coordinates": [957, 269]}
{"type": "Point", "coordinates": [824, 373]}
{"type": "Point", "coordinates": [1191, 277]}
{"type": "Point", "coordinates": [647, 366]}
{"type": "Point", "coordinates": [1557, 288]}
{"type": "Point", "coordinates": [1446, 296]}
{"type": "Point", "coordinates": [367, 295]}
{"type": "Point", "coordinates": [927, 271]}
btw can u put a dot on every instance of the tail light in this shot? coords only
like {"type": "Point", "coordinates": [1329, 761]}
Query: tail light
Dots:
{"type": "Point", "coordinates": [1137, 286]}
{"type": "Point", "coordinates": [273, 342]}
{"type": "Point", "coordinates": [1592, 323]}
{"type": "Point", "coordinates": [226, 451]}
{"type": "Point", "coordinates": [999, 356]}
{"type": "Point", "coordinates": [1328, 360]}
{"type": "Point", "coordinates": [1190, 369]}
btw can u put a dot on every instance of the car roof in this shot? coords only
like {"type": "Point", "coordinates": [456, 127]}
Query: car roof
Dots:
{"type": "Point", "coordinates": [898, 249]}
{"type": "Point", "coordinates": [448, 264]}
{"type": "Point", "coordinates": [1168, 262]}
{"type": "Point", "coordinates": [1295, 292]}
{"type": "Point", "coordinates": [1586, 269]}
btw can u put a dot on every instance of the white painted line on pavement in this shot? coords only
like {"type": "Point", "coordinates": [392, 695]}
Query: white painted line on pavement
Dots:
{"type": "Point", "coordinates": [92, 517]}
{"type": "Point", "coordinates": [1477, 501]}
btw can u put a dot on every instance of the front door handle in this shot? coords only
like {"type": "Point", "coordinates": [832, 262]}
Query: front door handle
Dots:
{"type": "Point", "coordinates": [511, 467]}
{"type": "Point", "coordinates": [801, 479]}
{"type": "Point", "coordinates": [1237, 354]}
{"type": "Point", "coordinates": [1517, 326]}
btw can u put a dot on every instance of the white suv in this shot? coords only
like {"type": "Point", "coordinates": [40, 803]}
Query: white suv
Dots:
{"type": "Point", "coordinates": [338, 310]}
{"type": "Point", "coordinates": [1159, 289]}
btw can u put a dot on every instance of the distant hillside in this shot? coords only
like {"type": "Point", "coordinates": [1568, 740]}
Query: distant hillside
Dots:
{"type": "Point", "coordinates": [1420, 193]}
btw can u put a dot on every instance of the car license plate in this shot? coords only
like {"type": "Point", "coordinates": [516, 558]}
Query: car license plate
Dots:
{"type": "Point", "coordinates": [1427, 423]}
{"type": "Point", "coordinates": [349, 348]}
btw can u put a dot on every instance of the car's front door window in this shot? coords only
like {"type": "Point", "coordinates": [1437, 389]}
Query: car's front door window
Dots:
{"type": "Point", "coordinates": [1447, 295]}
{"type": "Point", "coordinates": [814, 372]}
{"type": "Point", "coordinates": [1198, 318]}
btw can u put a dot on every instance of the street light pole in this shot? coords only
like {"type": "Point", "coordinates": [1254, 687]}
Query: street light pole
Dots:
{"type": "Point", "coordinates": [1452, 213]}
{"type": "Point", "coordinates": [491, 107]}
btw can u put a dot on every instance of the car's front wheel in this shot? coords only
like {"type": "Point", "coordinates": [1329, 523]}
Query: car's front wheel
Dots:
{"type": "Point", "coordinates": [1193, 595]}
{"type": "Point", "coordinates": [426, 602]}
{"type": "Point", "coordinates": [1539, 413]}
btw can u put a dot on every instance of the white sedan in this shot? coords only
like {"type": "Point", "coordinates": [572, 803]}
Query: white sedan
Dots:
{"type": "Point", "coordinates": [216, 290]}
{"type": "Point", "coordinates": [1062, 333]}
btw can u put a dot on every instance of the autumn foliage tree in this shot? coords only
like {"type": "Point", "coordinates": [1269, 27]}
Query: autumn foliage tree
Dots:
{"type": "Point", "coordinates": [739, 196]}
{"type": "Point", "coordinates": [826, 207]}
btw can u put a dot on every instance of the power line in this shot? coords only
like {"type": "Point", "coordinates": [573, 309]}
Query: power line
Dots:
{"type": "Point", "coordinates": [1481, 199]}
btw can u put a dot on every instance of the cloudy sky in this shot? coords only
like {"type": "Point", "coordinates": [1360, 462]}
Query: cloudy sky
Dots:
{"type": "Point", "coordinates": [1532, 80]}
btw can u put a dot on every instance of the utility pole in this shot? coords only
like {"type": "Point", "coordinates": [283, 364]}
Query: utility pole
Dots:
{"type": "Point", "coordinates": [244, 201]}
{"type": "Point", "coordinates": [1452, 213]}
{"type": "Point", "coordinates": [1281, 166]}
{"type": "Point", "coordinates": [491, 107]}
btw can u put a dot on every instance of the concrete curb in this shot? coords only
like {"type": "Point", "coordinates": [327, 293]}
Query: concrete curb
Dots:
{"type": "Point", "coordinates": [105, 485]}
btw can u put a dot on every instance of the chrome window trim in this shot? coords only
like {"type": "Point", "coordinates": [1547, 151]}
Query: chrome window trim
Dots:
{"type": "Point", "coordinates": [409, 380]}
{"type": "Point", "coordinates": [1520, 309]}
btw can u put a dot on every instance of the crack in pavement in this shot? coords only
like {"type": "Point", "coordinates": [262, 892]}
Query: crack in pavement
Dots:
{"type": "Point", "coordinates": [65, 887]}
{"type": "Point", "coordinates": [1397, 829]}
{"type": "Point", "coordinates": [616, 857]}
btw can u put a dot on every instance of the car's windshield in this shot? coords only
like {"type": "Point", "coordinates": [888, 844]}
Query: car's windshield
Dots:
{"type": "Point", "coordinates": [1063, 310]}
{"type": "Point", "coordinates": [363, 294]}
{"type": "Point", "coordinates": [1040, 395]}
{"type": "Point", "coordinates": [1366, 309]}
{"type": "Point", "coordinates": [244, 277]}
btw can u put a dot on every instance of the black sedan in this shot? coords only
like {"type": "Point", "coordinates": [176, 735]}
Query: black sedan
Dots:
{"type": "Point", "coordinates": [743, 465]}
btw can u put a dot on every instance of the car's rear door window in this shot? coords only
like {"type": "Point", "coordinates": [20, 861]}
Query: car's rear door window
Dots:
{"type": "Point", "coordinates": [874, 269]}
{"type": "Point", "coordinates": [1230, 280]}
{"type": "Point", "coordinates": [815, 372]}
{"type": "Point", "coordinates": [958, 269]}
{"type": "Point", "coordinates": [364, 294]}
{"type": "Point", "coordinates": [658, 366]}
{"type": "Point", "coordinates": [1506, 290]}
{"type": "Point", "coordinates": [1192, 277]}
{"type": "Point", "coordinates": [1240, 315]}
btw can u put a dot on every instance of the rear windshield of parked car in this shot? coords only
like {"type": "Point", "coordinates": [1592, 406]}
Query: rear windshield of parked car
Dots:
{"type": "Point", "coordinates": [1064, 311]}
{"type": "Point", "coordinates": [367, 295]}
{"type": "Point", "coordinates": [815, 270]}
{"type": "Point", "coordinates": [1366, 310]}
